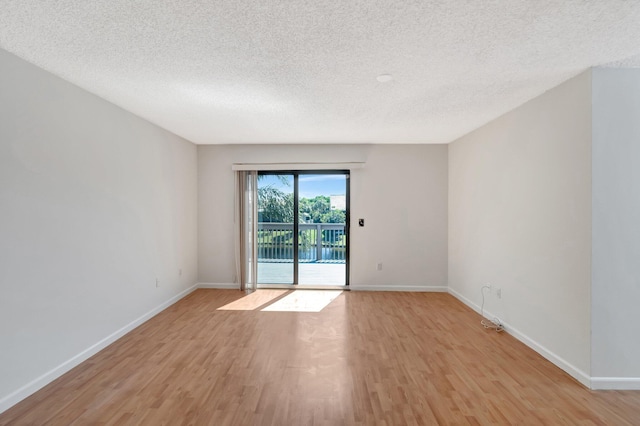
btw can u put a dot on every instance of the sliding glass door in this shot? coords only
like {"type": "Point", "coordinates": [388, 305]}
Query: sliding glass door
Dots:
{"type": "Point", "coordinates": [303, 235]}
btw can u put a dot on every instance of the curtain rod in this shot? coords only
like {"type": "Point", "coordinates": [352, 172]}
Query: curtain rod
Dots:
{"type": "Point", "coordinates": [296, 166]}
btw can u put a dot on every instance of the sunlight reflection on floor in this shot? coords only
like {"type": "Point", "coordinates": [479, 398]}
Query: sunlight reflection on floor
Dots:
{"type": "Point", "coordinates": [304, 301]}
{"type": "Point", "coordinates": [253, 301]}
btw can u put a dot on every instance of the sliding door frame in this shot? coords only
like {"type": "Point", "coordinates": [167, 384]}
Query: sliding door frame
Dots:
{"type": "Point", "coordinates": [296, 204]}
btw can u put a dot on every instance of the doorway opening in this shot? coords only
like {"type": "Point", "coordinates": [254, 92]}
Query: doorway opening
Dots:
{"type": "Point", "coordinates": [303, 228]}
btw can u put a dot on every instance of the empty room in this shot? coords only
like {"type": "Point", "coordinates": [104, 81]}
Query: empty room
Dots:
{"type": "Point", "coordinates": [291, 213]}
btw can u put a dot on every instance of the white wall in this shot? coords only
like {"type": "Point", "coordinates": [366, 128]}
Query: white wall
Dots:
{"type": "Point", "coordinates": [95, 203]}
{"type": "Point", "coordinates": [520, 219]}
{"type": "Point", "coordinates": [616, 228]}
{"type": "Point", "coordinates": [401, 193]}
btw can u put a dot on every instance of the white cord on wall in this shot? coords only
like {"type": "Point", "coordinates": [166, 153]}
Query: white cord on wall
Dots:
{"type": "Point", "coordinates": [495, 323]}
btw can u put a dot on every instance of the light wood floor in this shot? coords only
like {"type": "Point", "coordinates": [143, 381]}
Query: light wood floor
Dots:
{"type": "Point", "coordinates": [367, 358]}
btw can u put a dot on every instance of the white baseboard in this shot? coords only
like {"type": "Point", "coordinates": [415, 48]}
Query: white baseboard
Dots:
{"type": "Point", "coordinates": [38, 383]}
{"type": "Point", "coordinates": [221, 286]}
{"type": "Point", "coordinates": [414, 288]}
{"type": "Point", "coordinates": [615, 383]}
{"type": "Point", "coordinates": [570, 369]}
{"type": "Point", "coordinates": [353, 287]}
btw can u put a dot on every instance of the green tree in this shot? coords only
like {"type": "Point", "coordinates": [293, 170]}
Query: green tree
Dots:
{"type": "Point", "coordinates": [334, 216]}
{"type": "Point", "coordinates": [274, 205]}
{"type": "Point", "coordinates": [312, 210]}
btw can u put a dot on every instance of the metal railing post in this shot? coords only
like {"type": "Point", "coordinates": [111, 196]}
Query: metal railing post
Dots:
{"type": "Point", "coordinates": [318, 242]}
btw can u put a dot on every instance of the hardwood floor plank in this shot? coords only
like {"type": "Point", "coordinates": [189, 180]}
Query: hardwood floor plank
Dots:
{"type": "Point", "coordinates": [366, 359]}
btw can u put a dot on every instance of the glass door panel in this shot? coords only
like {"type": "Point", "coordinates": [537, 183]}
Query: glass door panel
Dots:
{"type": "Point", "coordinates": [276, 240]}
{"type": "Point", "coordinates": [322, 236]}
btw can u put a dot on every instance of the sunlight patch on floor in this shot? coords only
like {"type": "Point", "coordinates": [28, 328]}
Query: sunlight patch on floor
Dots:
{"type": "Point", "coordinates": [304, 301]}
{"type": "Point", "coordinates": [253, 301]}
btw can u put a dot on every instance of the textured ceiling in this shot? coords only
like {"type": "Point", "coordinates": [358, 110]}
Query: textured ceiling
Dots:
{"type": "Point", "coordinates": [234, 71]}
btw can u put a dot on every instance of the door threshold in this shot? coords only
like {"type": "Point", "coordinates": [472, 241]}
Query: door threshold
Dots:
{"type": "Point", "coordinates": [303, 287]}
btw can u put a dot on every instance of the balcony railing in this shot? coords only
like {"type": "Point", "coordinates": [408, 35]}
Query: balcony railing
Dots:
{"type": "Point", "coordinates": [317, 242]}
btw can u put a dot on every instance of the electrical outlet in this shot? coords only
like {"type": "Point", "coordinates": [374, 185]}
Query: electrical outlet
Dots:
{"type": "Point", "coordinates": [157, 282]}
{"type": "Point", "coordinates": [379, 266]}
{"type": "Point", "coordinates": [499, 293]}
